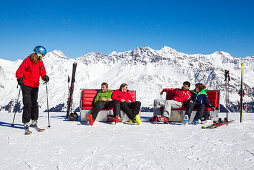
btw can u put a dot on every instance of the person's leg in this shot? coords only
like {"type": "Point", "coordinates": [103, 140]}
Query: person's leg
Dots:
{"type": "Point", "coordinates": [169, 104]}
{"type": "Point", "coordinates": [158, 103]}
{"type": "Point", "coordinates": [34, 109]}
{"type": "Point", "coordinates": [115, 105]}
{"type": "Point", "coordinates": [135, 106]}
{"type": "Point", "coordinates": [116, 108]}
{"type": "Point", "coordinates": [189, 108]}
{"type": "Point", "coordinates": [200, 112]}
{"type": "Point", "coordinates": [26, 116]}
{"type": "Point", "coordinates": [124, 107]}
{"type": "Point", "coordinates": [97, 108]}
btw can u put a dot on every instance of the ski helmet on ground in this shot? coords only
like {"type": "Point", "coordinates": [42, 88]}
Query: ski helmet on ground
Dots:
{"type": "Point", "coordinates": [40, 49]}
{"type": "Point", "coordinates": [73, 116]}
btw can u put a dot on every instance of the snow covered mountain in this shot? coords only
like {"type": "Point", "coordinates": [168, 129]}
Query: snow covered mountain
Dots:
{"type": "Point", "coordinates": [144, 69]}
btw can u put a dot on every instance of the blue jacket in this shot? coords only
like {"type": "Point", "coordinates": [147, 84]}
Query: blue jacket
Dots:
{"type": "Point", "coordinates": [200, 97]}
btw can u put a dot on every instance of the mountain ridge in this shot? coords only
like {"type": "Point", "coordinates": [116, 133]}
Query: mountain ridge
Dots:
{"type": "Point", "coordinates": [143, 68]}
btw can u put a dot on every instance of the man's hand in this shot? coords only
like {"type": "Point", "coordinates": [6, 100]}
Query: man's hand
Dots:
{"type": "Point", "coordinates": [191, 101]}
{"type": "Point", "coordinates": [129, 101]}
{"type": "Point", "coordinates": [213, 108]}
{"type": "Point", "coordinates": [122, 100]}
{"type": "Point", "coordinates": [20, 81]}
{"type": "Point", "coordinates": [109, 99]}
{"type": "Point", "coordinates": [103, 99]}
{"type": "Point", "coordinates": [161, 93]}
{"type": "Point", "coordinates": [46, 78]}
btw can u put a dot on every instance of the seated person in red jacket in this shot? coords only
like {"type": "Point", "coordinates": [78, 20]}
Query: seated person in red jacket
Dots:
{"type": "Point", "coordinates": [176, 97]}
{"type": "Point", "coordinates": [103, 100]}
{"type": "Point", "coordinates": [199, 100]}
{"type": "Point", "coordinates": [130, 107]}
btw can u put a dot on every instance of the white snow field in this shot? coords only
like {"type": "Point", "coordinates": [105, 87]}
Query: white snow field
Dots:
{"type": "Point", "coordinates": [74, 145]}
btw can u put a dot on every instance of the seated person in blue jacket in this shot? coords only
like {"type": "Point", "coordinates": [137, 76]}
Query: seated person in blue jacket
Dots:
{"type": "Point", "coordinates": [103, 100]}
{"type": "Point", "coordinates": [199, 100]}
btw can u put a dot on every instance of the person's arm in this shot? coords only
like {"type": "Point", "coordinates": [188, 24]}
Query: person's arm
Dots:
{"type": "Point", "coordinates": [167, 90]}
{"type": "Point", "coordinates": [190, 97]}
{"type": "Point", "coordinates": [42, 70]}
{"type": "Point", "coordinates": [109, 96]}
{"type": "Point", "coordinates": [130, 98]}
{"type": "Point", "coordinates": [97, 98]}
{"type": "Point", "coordinates": [115, 96]}
{"type": "Point", "coordinates": [21, 69]}
{"type": "Point", "coordinates": [207, 103]}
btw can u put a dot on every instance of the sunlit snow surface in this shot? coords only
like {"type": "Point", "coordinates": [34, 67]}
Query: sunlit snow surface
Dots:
{"type": "Point", "coordinates": [73, 145]}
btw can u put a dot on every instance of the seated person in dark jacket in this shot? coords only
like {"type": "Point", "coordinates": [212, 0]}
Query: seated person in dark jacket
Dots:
{"type": "Point", "coordinates": [103, 100]}
{"type": "Point", "coordinates": [199, 100]}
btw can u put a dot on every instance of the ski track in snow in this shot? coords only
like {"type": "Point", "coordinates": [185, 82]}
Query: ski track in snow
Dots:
{"type": "Point", "coordinates": [74, 145]}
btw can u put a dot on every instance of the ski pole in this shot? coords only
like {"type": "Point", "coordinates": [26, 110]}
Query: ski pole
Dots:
{"type": "Point", "coordinates": [47, 104]}
{"type": "Point", "coordinates": [15, 111]}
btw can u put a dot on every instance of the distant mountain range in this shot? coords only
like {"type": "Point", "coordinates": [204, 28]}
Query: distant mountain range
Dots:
{"type": "Point", "coordinates": [145, 70]}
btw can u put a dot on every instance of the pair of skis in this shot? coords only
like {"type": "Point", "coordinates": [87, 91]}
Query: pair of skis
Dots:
{"type": "Point", "coordinates": [69, 115]}
{"type": "Point", "coordinates": [217, 124]}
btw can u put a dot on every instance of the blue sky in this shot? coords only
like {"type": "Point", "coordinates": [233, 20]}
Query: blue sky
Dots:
{"type": "Point", "coordinates": [80, 27]}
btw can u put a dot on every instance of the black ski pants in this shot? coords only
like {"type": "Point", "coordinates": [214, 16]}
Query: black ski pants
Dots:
{"type": "Point", "coordinates": [30, 109]}
{"type": "Point", "coordinates": [106, 105]}
{"type": "Point", "coordinates": [190, 106]}
{"type": "Point", "coordinates": [131, 109]}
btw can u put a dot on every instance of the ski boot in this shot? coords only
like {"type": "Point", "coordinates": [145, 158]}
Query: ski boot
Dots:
{"type": "Point", "coordinates": [137, 120]}
{"type": "Point", "coordinates": [163, 119]}
{"type": "Point", "coordinates": [116, 119]}
{"type": "Point", "coordinates": [110, 118]}
{"type": "Point", "coordinates": [153, 119]}
{"type": "Point", "coordinates": [196, 121]}
{"type": "Point", "coordinates": [90, 119]}
{"type": "Point", "coordinates": [27, 131]}
{"type": "Point", "coordinates": [34, 125]}
{"type": "Point", "coordinates": [186, 119]}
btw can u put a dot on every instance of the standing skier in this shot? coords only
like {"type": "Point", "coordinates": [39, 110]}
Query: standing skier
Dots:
{"type": "Point", "coordinates": [28, 76]}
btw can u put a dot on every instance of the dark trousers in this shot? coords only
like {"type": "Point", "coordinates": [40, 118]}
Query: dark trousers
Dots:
{"type": "Point", "coordinates": [30, 109]}
{"type": "Point", "coordinates": [199, 106]}
{"type": "Point", "coordinates": [131, 109]}
{"type": "Point", "coordinates": [106, 105]}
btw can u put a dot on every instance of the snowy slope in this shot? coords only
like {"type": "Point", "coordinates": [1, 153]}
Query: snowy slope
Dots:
{"type": "Point", "coordinates": [144, 69]}
{"type": "Point", "coordinates": [72, 145]}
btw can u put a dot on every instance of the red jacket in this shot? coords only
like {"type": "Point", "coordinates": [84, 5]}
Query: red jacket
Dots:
{"type": "Point", "coordinates": [31, 72]}
{"type": "Point", "coordinates": [118, 95]}
{"type": "Point", "coordinates": [179, 95]}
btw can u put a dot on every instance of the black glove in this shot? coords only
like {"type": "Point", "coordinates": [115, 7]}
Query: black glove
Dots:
{"type": "Point", "coordinates": [46, 78]}
{"type": "Point", "coordinates": [20, 81]}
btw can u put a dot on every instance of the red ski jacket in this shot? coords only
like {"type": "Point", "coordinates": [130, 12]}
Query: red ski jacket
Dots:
{"type": "Point", "coordinates": [118, 95]}
{"type": "Point", "coordinates": [31, 72]}
{"type": "Point", "coordinates": [179, 95]}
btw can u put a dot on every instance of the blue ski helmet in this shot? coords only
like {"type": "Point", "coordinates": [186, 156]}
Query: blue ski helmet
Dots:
{"type": "Point", "coordinates": [40, 49]}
